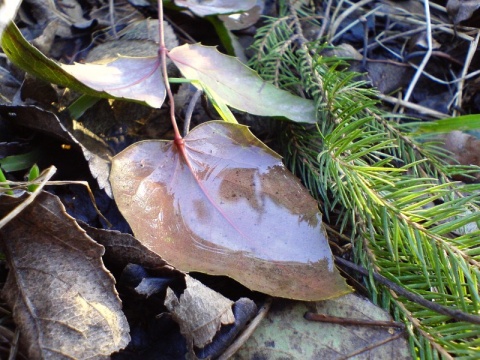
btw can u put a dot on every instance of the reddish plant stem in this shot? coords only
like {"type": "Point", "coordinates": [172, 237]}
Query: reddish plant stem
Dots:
{"type": "Point", "coordinates": [162, 52]}
{"type": "Point", "coordinates": [178, 139]}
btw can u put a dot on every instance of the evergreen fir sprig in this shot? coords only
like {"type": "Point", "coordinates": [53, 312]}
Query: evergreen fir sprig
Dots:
{"type": "Point", "coordinates": [408, 221]}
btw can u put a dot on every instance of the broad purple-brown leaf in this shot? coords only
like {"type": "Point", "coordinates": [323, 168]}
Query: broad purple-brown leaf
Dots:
{"type": "Point", "coordinates": [224, 204]}
{"type": "Point", "coordinates": [202, 8]}
{"type": "Point", "coordinates": [134, 78]}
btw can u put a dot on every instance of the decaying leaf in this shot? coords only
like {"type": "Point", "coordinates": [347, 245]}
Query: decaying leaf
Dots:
{"type": "Point", "coordinates": [226, 205]}
{"type": "Point", "coordinates": [465, 149]}
{"type": "Point", "coordinates": [214, 7]}
{"type": "Point", "coordinates": [460, 10]}
{"type": "Point", "coordinates": [137, 79]}
{"type": "Point", "coordinates": [243, 20]}
{"type": "Point", "coordinates": [199, 311]}
{"type": "Point", "coordinates": [239, 86]}
{"type": "Point", "coordinates": [244, 310]}
{"type": "Point", "coordinates": [63, 299]}
{"type": "Point", "coordinates": [285, 334]}
{"type": "Point", "coordinates": [123, 249]}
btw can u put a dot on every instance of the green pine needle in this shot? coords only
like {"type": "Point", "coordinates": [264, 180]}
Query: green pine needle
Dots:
{"type": "Point", "coordinates": [390, 192]}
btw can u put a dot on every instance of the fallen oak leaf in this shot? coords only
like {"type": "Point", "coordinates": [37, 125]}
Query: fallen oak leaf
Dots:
{"type": "Point", "coordinates": [225, 205]}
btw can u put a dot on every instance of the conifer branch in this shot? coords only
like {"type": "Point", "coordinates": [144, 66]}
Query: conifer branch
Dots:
{"type": "Point", "coordinates": [392, 193]}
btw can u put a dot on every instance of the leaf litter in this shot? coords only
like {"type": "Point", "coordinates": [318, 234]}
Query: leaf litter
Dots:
{"type": "Point", "coordinates": [200, 312]}
{"type": "Point", "coordinates": [270, 97]}
{"type": "Point", "coordinates": [469, 14]}
{"type": "Point", "coordinates": [63, 299]}
{"type": "Point", "coordinates": [286, 334]}
{"type": "Point", "coordinates": [126, 84]}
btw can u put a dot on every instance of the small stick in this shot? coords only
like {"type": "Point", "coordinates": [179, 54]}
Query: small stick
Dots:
{"type": "Point", "coordinates": [363, 20]}
{"type": "Point", "coordinates": [111, 15]}
{"type": "Point", "coordinates": [413, 106]}
{"type": "Point", "coordinates": [426, 59]}
{"type": "Point", "coordinates": [311, 316]}
{"type": "Point", "coordinates": [233, 348]}
{"type": "Point", "coordinates": [14, 346]}
{"type": "Point", "coordinates": [471, 52]}
{"type": "Point", "coordinates": [191, 107]}
{"type": "Point", "coordinates": [454, 314]}
{"type": "Point", "coordinates": [371, 346]}
{"type": "Point", "coordinates": [23, 184]}
{"type": "Point", "coordinates": [17, 210]}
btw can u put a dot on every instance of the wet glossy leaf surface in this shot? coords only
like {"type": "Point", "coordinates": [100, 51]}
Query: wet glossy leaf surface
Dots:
{"type": "Point", "coordinates": [205, 8]}
{"type": "Point", "coordinates": [227, 207]}
{"type": "Point", "coordinates": [239, 86]}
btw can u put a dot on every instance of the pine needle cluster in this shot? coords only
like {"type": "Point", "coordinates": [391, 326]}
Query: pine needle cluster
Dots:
{"type": "Point", "coordinates": [391, 192]}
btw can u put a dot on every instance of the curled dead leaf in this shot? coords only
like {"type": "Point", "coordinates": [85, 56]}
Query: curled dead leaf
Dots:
{"type": "Point", "coordinates": [199, 311]}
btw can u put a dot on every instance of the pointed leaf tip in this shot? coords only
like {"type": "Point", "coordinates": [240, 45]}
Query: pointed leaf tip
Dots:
{"type": "Point", "coordinates": [239, 86]}
{"type": "Point", "coordinates": [134, 78]}
{"type": "Point", "coordinates": [138, 79]}
{"type": "Point", "coordinates": [227, 207]}
{"type": "Point", "coordinates": [214, 7]}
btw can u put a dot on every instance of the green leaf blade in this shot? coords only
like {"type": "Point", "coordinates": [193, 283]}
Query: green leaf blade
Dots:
{"type": "Point", "coordinates": [459, 123]}
{"type": "Point", "coordinates": [239, 86]}
{"type": "Point", "coordinates": [28, 58]}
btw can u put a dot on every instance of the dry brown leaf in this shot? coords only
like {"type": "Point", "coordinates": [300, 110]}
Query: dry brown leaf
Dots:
{"type": "Point", "coordinates": [459, 10]}
{"type": "Point", "coordinates": [199, 311]}
{"type": "Point", "coordinates": [285, 334]}
{"type": "Point", "coordinates": [123, 249]}
{"type": "Point", "coordinates": [465, 148]}
{"type": "Point", "coordinates": [63, 299]}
